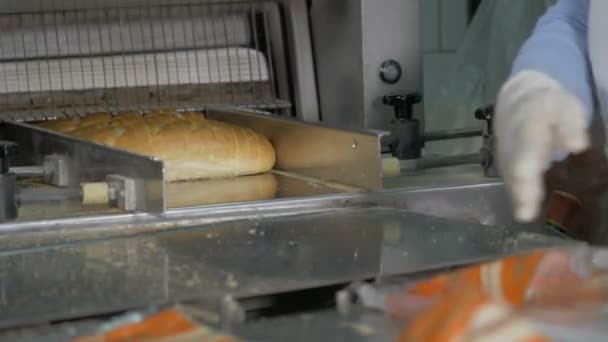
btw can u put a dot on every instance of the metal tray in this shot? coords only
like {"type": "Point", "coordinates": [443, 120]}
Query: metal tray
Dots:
{"type": "Point", "coordinates": [243, 258]}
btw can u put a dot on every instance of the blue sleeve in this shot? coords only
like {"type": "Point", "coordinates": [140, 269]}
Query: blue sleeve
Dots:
{"type": "Point", "coordinates": [558, 48]}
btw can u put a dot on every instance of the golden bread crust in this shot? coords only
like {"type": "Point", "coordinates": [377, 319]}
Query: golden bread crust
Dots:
{"type": "Point", "coordinates": [191, 146]}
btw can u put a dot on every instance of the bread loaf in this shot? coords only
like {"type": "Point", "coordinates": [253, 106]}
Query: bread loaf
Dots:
{"type": "Point", "coordinates": [191, 146]}
{"type": "Point", "coordinates": [225, 190]}
{"type": "Point", "coordinates": [68, 125]}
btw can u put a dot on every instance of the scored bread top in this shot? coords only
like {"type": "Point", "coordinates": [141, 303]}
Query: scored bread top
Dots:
{"type": "Point", "coordinates": [191, 146]}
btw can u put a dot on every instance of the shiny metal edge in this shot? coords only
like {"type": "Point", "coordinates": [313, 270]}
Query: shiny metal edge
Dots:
{"type": "Point", "coordinates": [476, 203]}
{"type": "Point", "coordinates": [88, 161]}
{"type": "Point", "coordinates": [331, 153]}
{"type": "Point", "coordinates": [227, 109]}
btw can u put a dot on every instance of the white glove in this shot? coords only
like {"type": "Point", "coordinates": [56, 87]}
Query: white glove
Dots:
{"type": "Point", "coordinates": [536, 118]}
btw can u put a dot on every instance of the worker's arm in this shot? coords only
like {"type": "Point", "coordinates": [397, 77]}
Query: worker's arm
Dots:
{"type": "Point", "coordinates": [558, 48]}
{"type": "Point", "coordinates": [544, 110]}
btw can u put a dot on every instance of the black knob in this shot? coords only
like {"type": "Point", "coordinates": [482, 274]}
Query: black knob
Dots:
{"type": "Point", "coordinates": [8, 150]}
{"type": "Point", "coordinates": [403, 104]}
{"type": "Point", "coordinates": [487, 114]}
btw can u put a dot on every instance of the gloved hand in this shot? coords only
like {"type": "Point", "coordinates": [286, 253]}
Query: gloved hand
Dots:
{"type": "Point", "coordinates": [536, 120]}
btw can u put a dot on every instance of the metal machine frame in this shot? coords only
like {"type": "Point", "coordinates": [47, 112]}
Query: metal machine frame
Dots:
{"type": "Point", "coordinates": [233, 260]}
{"type": "Point", "coordinates": [363, 35]}
{"type": "Point", "coordinates": [284, 23]}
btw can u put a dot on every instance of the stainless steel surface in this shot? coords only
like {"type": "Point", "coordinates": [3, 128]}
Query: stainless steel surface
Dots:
{"type": "Point", "coordinates": [88, 162]}
{"type": "Point", "coordinates": [352, 38]}
{"type": "Point", "coordinates": [59, 205]}
{"type": "Point", "coordinates": [244, 250]}
{"type": "Point", "coordinates": [207, 194]}
{"type": "Point", "coordinates": [242, 258]}
{"type": "Point", "coordinates": [464, 194]}
{"type": "Point", "coordinates": [459, 193]}
{"type": "Point", "coordinates": [348, 157]}
{"type": "Point", "coordinates": [64, 58]}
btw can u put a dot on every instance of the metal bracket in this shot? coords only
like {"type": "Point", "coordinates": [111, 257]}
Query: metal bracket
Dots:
{"type": "Point", "coordinates": [56, 170]}
{"type": "Point", "coordinates": [126, 193]}
{"type": "Point", "coordinates": [231, 312]}
{"type": "Point", "coordinates": [489, 141]}
{"type": "Point", "coordinates": [78, 161]}
{"type": "Point", "coordinates": [488, 161]}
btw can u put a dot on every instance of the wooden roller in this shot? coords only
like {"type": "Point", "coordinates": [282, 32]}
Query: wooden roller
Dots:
{"type": "Point", "coordinates": [94, 193]}
{"type": "Point", "coordinates": [391, 167]}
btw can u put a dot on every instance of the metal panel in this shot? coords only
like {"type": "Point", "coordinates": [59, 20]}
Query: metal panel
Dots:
{"type": "Point", "coordinates": [485, 203]}
{"type": "Point", "coordinates": [244, 258]}
{"type": "Point", "coordinates": [344, 156]}
{"type": "Point", "coordinates": [352, 38]}
{"type": "Point", "coordinates": [88, 162]}
{"type": "Point", "coordinates": [303, 68]}
{"type": "Point", "coordinates": [337, 36]}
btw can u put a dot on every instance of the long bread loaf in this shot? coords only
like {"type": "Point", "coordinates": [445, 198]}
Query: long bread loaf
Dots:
{"type": "Point", "coordinates": [191, 146]}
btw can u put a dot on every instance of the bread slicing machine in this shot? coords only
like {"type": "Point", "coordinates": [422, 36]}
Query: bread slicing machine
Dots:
{"type": "Point", "coordinates": [89, 230]}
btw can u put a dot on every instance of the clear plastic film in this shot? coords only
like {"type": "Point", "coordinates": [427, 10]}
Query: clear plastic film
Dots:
{"type": "Point", "coordinates": [551, 295]}
{"type": "Point", "coordinates": [481, 65]}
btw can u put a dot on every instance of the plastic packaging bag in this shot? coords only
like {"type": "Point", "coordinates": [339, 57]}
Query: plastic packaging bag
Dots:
{"type": "Point", "coordinates": [552, 295]}
{"type": "Point", "coordinates": [172, 324]}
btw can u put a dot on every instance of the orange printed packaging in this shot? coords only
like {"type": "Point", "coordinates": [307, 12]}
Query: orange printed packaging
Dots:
{"type": "Point", "coordinates": [166, 326]}
{"type": "Point", "coordinates": [470, 317]}
{"type": "Point", "coordinates": [506, 299]}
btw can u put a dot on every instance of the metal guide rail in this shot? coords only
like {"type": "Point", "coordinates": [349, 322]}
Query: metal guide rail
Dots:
{"type": "Point", "coordinates": [138, 58]}
{"type": "Point", "coordinates": [63, 176]}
